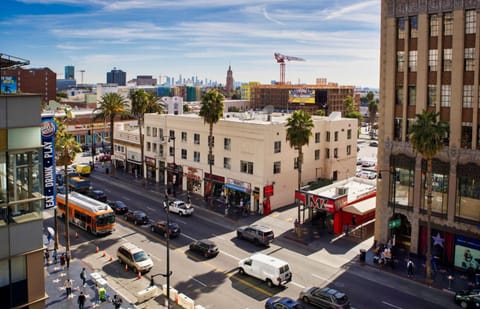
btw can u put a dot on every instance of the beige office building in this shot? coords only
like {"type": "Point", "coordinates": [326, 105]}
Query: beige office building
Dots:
{"type": "Point", "coordinates": [430, 51]}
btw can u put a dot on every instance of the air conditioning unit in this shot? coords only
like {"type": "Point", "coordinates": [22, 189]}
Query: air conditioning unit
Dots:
{"type": "Point", "coordinates": [342, 190]}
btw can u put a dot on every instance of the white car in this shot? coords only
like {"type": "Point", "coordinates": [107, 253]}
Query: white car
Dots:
{"type": "Point", "coordinates": [180, 208]}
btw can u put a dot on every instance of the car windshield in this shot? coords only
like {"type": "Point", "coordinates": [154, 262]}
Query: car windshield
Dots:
{"type": "Point", "coordinates": [140, 256]}
{"type": "Point", "coordinates": [341, 298]}
{"type": "Point", "coordinates": [181, 205]}
{"type": "Point", "coordinates": [120, 204]}
{"type": "Point", "coordinates": [140, 214]}
{"type": "Point", "coordinates": [105, 219]}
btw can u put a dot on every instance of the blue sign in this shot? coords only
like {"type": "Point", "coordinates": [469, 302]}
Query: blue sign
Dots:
{"type": "Point", "coordinates": [48, 142]}
{"type": "Point", "coordinates": [467, 252]}
{"type": "Point", "coordinates": [8, 84]}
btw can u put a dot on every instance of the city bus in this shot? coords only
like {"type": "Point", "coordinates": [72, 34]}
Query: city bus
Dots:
{"type": "Point", "coordinates": [90, 215]}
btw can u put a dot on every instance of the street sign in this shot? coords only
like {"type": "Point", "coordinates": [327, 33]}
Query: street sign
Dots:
{"type": "Point", "coordinates": [394, 223]}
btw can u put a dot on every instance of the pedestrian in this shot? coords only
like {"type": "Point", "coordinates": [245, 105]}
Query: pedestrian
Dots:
{"type": "Point", "coordinates": [68, 287]}
{"type": "Point", "coordinates": [67, 259]}
{"type": "Point", "coordinates": [54, 255]}
{"type": "Point", "coordinates": [81, 300]}
{"type": "Point", "coordinates": [410, 267]}
{"type": "Point", "coordinates": [83, 276]}
{"type": "Point", "coordinates": [434, 264]}
{"type": "Point", "coordinates": [117, 301]}
{"type": "Point", "coordinates": [62, 260]}
{"type": "Point", "coordinates": [47, 256]}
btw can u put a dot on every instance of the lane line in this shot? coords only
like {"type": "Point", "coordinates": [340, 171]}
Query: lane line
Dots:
{"type": "Point", "coordinates": [200, 282]}
{"type": "Point", "coordinates": [297, 284]}
{"type": "Point", "coordinates": [321, 278]}
{"type": "Point", "coordinates": [150, 208]}
{"type": "Point", "coordinates": [391, 305]}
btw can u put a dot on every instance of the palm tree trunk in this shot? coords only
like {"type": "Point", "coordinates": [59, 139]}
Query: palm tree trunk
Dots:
{"type": "Point", "coordinates": [428, 264]}
{"type": "Point", "coordinates": [67, 211]}
{"type": "Point", "coordinates": [142, 153]}
{"type": "Point", "coordinates": [111, 147]}
{"type": "Point", "coordinates": [210, 153]}
{"type": "Point", "coordinates": [300, 159]}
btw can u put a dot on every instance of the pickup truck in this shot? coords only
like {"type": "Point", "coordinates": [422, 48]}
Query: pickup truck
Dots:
{"type": "Point", "coordinates": [180, 208]}
{"type": "Point", "coordinates": [79, 184]}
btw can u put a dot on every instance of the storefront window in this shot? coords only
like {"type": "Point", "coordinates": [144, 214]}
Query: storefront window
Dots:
{"type": "Point", "coordinates": [439, 187]}
{"type": "Point", "coordinates": [402, 181]}
{"type": "Point", "coordinates": [467, 204]}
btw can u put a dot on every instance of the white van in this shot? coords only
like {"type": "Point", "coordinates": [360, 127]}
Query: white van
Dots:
{"type": "Point", "coordinates": [265, 267]}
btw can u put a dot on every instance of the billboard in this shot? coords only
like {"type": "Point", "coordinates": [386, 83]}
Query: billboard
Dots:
{"type": "Point", "coordinates": [467, 252]}
{"type": "Point", "coordinates": [301, 96]}
{"type": "Point", "coordinates": [48, 142]}
{"type": "Point", "coordinates": [8, 84]}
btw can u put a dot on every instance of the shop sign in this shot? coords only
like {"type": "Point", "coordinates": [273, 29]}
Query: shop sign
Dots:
{"type": "Point", "coordinates": [268, 191]}
{"type": "Point", "coordinates": [238, 185]}
{"type": "Point", "coordinates": [133, 157]}
{"type": "Point", "coordinates": [467, 252]}
{"type": "Point", "coordinates": [48, 141]}
{"type": "Point", "coordinates": [317, 202]}
{"type": "Point", "coordinates": [150, 161]}
{"type": "Point", "coordinates": [394, 223]}
{"type": "Point", "coordinates": [213, 177]}
{"type": "Point", "coordinates": [119, 156]}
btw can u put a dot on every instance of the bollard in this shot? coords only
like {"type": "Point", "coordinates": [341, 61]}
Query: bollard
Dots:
{"type": "Point", "coordinates": [450, 279]}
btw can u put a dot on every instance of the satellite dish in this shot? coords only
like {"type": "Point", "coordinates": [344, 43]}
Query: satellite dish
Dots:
{"type": "Point", "coordinates": [268, 109]}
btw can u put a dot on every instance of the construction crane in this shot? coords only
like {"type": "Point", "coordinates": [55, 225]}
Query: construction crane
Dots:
{"type": "Point", "coordinates": [281, 59]}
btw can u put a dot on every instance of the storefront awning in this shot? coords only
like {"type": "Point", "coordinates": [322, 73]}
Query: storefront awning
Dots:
{"type": "Point", "coordinates": [361, 208]}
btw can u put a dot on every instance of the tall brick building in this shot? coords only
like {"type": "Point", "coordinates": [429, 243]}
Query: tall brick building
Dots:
{"type": "Point", "coordinates": [42, 81]}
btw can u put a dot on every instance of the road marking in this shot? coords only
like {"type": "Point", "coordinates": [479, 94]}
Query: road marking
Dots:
{"type": "Point", "coordinates": [183, 222]}
{"type": "Point", "coordinates": [391, 305]}
{"type": "Point", "coordinates": [321, 278]}
{"type": "Point", "coordinates": [126, 198]}
{"type": "Point", "coordinates": [189, 237]}
{"type": "Point", "coordinates": [200, 282]}
{"type": "Point", "coordinates": [298, 284]}
{"type": "Point", "coordinates": [151, 209]}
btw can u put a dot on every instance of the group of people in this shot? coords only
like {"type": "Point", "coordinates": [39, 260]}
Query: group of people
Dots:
{"type": "Point", "coordinates": [64, 258]}
{"type": "Point", "coordinates": [384, 255]}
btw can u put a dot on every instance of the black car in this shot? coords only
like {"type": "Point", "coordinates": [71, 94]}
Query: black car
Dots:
{"type": "Point", "coordinates": [97, 194]}
{"type": "Point", "coordinates": [137, 217]}
{"type": "Point", "coordinates": [205, 247]}
{"type": "Point", "coordinates": [118, 207]}
{"type": "Point", "coordinates": [373, 144]}
{"type": "Point", "coordinates": [160, 227]}
{"type": "Point", "coordinates": [325, 297]}
{"type": "Point", "coordinates": [468, 298]}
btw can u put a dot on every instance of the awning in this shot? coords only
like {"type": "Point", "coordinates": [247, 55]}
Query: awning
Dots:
{"type": "Point", "coordinates": [361, 208]}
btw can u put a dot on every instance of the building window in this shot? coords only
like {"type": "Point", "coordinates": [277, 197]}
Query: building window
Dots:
{"type": "Point", "coordinates": [160, 133]}
{"type": "Point", "coordinates": [434, 24]}
{"type": "Point", "coordinates": [149, 130]}
{"type": "Point", "coordinates": [432, 60]}
{"type": "Point", "coordinates": [447, 60]}
{"type": "Point", "coordinates": [349, 150]}
{"type": "Point", "coordinates": [432, 95]}
{"type": "Point", "coordinates": [412, 95]}
{"type": "Point", "coordinates": [227, 143]}
{"type": "Point", "coordinates": [246, 167]}
{"type": "Point", "coordinates": [413, 26]}
{"type": "Point", "coordinates": [400, 61]}
{"type": "Point", "coordinates": [171, 134]}
{"type": "Point", "coordinates": [196, 156]}
{"type": "Point", "coordinates": [469, 59]}
{"type": "Point", "coordinates": [154, 147]}
{"type": "Point", "coordinates": [397, 129]}
{"type": "Point", "coordinates": [171, 151]}
{"type": "Point", "coordinates": [184, 154]}
{"type": "Point", "coordinates": [349, 134]}
{"type": "Point", "coordinates": [317, 154]}
{"type": "Point", "coordinates": [468, 199]}
{"type": "Point", "coordinates": [446, 96]}
{"type": "Point", "coordinates": [448, 23]}
{"type": "Point", "coordinates": [328, 136]}
{"type": "Point", "coordinates": [468, 96]}
{"type": "Point", "coordinates": [470, 21]}
{"type": "Point", "coordinates": [327, 153]}
{"type": "Point", "coordinates": [161, 152]}
{"type": "Point", "coordinates": [467, 132]}
{"type": "Point", "coordinates": [335, 136]}
{"type": "Point", "coordinates": [184, 136]}
{"type": "Point", "coordinates": [227, 163]}
{"type": "Point", "coordinates": [412, 61]}
{"type": "Point", "coordinates": [149, 146]}
{"type": "Point", "coordinates": [154, 132]}
{"type": "Point", "coordinates": [277, 147]}
{"type": "Point", "coordinates": [401, 28]}
{"type": "Point", "coordinates": [399, 100]}
{"type": "Point", "coordinates": [335, 153]}
{"type": "Point", "coordinates": [196, 139]}
{"type": "Point", "coordinates": [277, 167]}
{"type": "Point", "coordinates": [317, 137]}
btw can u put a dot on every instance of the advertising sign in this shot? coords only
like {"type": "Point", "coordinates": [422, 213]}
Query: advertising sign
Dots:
{"type": "Point", "coordinates": [48, 142]}
{"type": "Point", "coordinates": [301, 96]}
{"type": "Point", "coordinates": [467, 252]}
{"type": "Point", "coordinates": [8, 84]}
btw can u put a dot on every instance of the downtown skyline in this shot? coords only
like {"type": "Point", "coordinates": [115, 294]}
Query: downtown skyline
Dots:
{"type": "Point", "coordinates": [338, 39]}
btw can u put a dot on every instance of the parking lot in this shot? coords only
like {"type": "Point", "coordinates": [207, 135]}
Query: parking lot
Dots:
{"type": "Point", "coordinates": [367, 156]}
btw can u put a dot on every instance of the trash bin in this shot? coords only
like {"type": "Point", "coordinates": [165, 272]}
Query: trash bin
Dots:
{"type": "Point", "coordinates": [363, 255]}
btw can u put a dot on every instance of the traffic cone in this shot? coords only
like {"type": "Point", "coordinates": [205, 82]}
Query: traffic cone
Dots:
{"type": "Point", "coordinates": [104, 254]}
{"type": "Point", "coordinates": [139, 275]}
{"type": "Point", "coordinates": [96, 250]}
{"type": "Point", "coordinates": [126, 267]}
{"type": "Point", "coordinates": [111, 258]}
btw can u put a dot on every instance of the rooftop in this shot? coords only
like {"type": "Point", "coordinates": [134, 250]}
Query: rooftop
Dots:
{"type": "Point", "coordinates": [356, 189]}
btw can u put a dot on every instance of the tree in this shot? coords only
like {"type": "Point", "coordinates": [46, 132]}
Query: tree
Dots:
{"type": "Point", "coordinates": [426, 137]}
{"type": "Point", "coordinates": [299, 129]}
{"type": "Point", "coordinates": [66, 148]}
{"type": "Point", "coordinates": [319, 112]}
{"type": "Point", "coordinates": [111, 105]}
{"type": "Point", "coordinates": [372, 112]}
{"type": "Point", "coordinates": [143, 102]}
{"type": "Point", "coordinates": [350, 111]}
{"type": "Point", "coordinates": [211, 110]}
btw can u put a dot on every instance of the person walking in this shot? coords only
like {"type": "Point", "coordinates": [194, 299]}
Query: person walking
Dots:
{"type": "Point", "coordinates": [67, 258]}
{"type": "Point", "coordinates": [68, 287]}
{"type": "Point", "coordinates": [62, 260]}
{"type": "Point", "coordinates": [410, 267]}
{"type": "Point", "coordinates": [54, 255]}
{"type": "Point", "coordinates": [81, 300]}
{"type": "Point", "coordinates": [83, 276]}
{"type": "Point", "coordinates": [47, 256]}
{"type": "Point", "coordinates": [117, 301]}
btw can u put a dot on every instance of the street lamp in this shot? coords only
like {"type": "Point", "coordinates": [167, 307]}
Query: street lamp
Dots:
{"type": "Point", "coordinates": [174, 175]}
{"type": "Point", "coordinates": [168, 273]}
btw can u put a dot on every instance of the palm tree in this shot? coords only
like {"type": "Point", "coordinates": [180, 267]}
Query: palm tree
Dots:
{"type": "Point", "coordinates": [66, 147]}
{"type": "Point", "coordinates": [299, 129]}
{"type": "Point", "coordinates": [426, 136]}
{"type": "Point", "coordinates": [372, 113]}
{"type": "Point", "coordinates": [211, 111]}
{"type": "Point", "coordinates": [111, 105]}
{"type": "Point", "coordinates": [143, 102]}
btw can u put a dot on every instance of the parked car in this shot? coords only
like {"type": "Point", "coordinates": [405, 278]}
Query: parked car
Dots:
{"type": "Point", "coordinates": [205, 247]}
{"type": "Point", "coordinates": [325, 297]}
{"type": "Point", "coordinates": [118, 207]}
{"type": "Point", "coordinates": [373, 144]}
{"type": "Point", "coordinates": [134, 257]}
{"type": "Point", "coordinates": [276, 302]}
{"type": "Point", "coordinates": [257, 234]}
{"type": "Point", "coordinates": [366, 174]}
{"type": "Point", "coordinates": [96, 194]}
{"type": "Point", "coordinates": [160, 227]}
{"type": "Point", "coordinates": [368, 163]}
{"type": "Point", "coordinates": [137, 217]}
{"type": "Point", "coordinates": [180, 208]}
{"type": "Point", "coordinates": [359, 161]}
{"type": "Point", "coordinates": [468, 298]}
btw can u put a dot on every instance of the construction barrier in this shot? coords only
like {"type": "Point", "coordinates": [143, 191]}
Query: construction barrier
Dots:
{"type": "Point", "coordinates": [173, 293]}
{"type": "Point", "coordinates": [185, 302]}
{"type": "Point", "coordinates": [199, 307]}
{"type": "Point", "coordinates": [148, 293]}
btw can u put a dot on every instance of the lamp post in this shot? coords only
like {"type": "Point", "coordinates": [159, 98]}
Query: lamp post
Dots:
{"type": "Point", "coordinates": [168, 273]}
{"type": "Point", "coordinates": [174, 176]}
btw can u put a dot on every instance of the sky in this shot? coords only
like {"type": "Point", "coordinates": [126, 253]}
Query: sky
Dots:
{"type": "Point", "coordinates": [339, 39]}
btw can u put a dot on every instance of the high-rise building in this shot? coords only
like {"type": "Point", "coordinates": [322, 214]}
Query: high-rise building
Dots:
{"type": "Point", "coordinates": [429, 61]}
{"type": "Point", "coordinates": [40, 81]}
{"type": "Point", "coordinates": [229, 84]}
{"type": "Point", "coordinates": [118, 77]}
{"type": "Point", "coordinates": [69, 72]}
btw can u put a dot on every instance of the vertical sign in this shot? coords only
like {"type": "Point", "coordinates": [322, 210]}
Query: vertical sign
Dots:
{"type": "Point", "coordinates": [48, 142]}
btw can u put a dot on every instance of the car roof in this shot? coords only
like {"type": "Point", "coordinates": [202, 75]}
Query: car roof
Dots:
{"type": "Point", "coordinates": [287, 301]}
{"type": "Point", "coordinates": [131, 247]}
{"type": "Point", "coordinates": [139, 212]}
{"type": "Point", "coordinates": [261, 228]}
{"type": "Point", "coordinates": [207, 242]}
